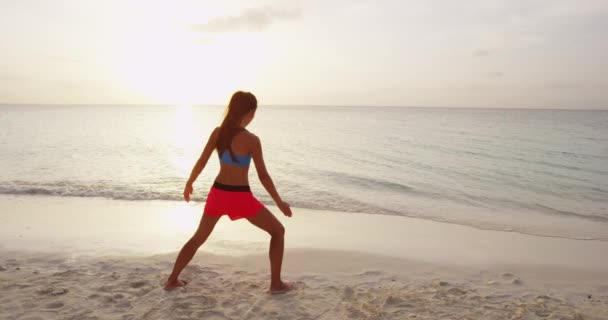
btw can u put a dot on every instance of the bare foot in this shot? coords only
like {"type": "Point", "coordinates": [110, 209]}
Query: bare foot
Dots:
{"type": "Point", "coordinates": [283, 287]}
{"type": "Point", "coordinates": [170, 285]}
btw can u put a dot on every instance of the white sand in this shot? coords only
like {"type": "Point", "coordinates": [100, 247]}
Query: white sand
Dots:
{"type": "Point", "coordinates": [99, 259]}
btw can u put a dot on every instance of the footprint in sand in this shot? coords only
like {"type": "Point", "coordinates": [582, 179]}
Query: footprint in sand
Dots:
{"type": "Point", "coordinates": [143, 287]}
{"type": "Point", "coordinates": [349, 293]}
{"type": "Point", "coordinates": [138, 284]}
{"type": "Point", "coordinates": [511, 278]}
{"type": "Point", "coordinates": [67, 273]}
{"type": "Point", "coordinates": [54, 305]}
{"type": "Point", "coordinates": [106, 288]}
{"type": "Point", "coordinates": [200, 301]}
{"type": "Point", "coordinates": [53, 291]}
{"type": "Point", "coordinates": [371, 273]}
{"type": "Point", "coordinates": [393, 301]}
{"type": "Point", "coordinates": [108, 300]}
{"type": "Point", "coordinates": [182, 305]}
{"type": "Point", "coordinates": [212, 315]}
{"type": "Point", "coordinates": [456, 291]}
{"type": "Point", "coordinates": [545, 298]}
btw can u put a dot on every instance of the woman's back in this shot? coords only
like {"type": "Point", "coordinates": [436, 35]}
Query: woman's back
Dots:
{"type": "Point", "coordinates": [235, 171]}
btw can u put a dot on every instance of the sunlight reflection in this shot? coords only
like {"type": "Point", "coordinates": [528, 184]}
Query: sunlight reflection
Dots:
{"type": "Point", "coordinates": [186, 140]}
{"type": "Point", "coordinates": [182, 218]}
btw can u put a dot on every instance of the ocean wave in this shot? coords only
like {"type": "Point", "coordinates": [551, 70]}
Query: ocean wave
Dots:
{"type": "Point", "coordinates": [322, 199]}
{"type": "Point", "coordinates": [494, 202]}
{"type": "Point", "coordinates": [62, 189]}
{"type": "Point", "coordinates": [511, 158]}
{"type": "Point", "coordinates": [331, 201]}
{"type": "Point", "coordinates": [360, 181]}
{"type": "Point", "coordinates": [570, 167]}
{"type": "Point", "coordinates": [567, 213]}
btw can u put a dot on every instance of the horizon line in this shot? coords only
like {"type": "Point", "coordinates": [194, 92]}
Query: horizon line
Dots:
{"type": "Point", "coordinates": [2, 104]}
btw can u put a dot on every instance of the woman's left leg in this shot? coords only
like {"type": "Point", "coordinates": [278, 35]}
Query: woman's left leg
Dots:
{"type": "Point", "coordinates": [185, 255]}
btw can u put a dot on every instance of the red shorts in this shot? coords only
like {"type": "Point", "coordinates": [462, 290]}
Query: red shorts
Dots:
{"type": "Point", "coordinates": [235, 201]}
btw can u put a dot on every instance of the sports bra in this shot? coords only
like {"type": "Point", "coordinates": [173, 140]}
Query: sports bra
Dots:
{"type": "Point", "coordinates": [243, 161]}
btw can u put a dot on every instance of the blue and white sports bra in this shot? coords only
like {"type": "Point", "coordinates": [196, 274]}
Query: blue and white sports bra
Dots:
{"type": "Point", "coordinates": [242, 161]}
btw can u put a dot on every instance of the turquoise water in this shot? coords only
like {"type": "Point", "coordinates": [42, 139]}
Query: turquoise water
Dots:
{"type": "Point", "coordinates": [542, 172]}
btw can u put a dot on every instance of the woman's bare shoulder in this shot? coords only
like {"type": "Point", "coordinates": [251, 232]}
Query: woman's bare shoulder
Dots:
{"type": "Point", "coordinates": [250, 136]}
{"type": "Point", "coordinates": [245, 138]}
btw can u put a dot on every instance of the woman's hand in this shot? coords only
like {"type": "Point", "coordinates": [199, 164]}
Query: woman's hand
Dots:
{"type": "Point", "coordinates": [285, 208]}
{"type": "Point", "coordinates": [188, 191]}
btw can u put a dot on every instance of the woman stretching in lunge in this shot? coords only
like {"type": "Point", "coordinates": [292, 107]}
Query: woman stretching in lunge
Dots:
{"type": "Point", "coordinates": [230, 193]}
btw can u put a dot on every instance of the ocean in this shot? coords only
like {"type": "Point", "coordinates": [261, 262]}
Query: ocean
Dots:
{"type": "Point", "coordinates": [539, 172]}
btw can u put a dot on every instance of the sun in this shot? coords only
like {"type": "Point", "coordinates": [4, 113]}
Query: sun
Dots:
{"type": "Point", "coordinates": [176, 65]}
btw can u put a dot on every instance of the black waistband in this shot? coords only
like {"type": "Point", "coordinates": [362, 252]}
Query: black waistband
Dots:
{"type": "Point", "coordinates": [227, 187]}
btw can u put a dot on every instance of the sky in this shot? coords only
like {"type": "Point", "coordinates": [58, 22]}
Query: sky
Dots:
{"type": "Point", "coordinates": [474, 53]}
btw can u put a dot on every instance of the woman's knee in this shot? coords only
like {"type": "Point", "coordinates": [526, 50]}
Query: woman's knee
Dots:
{"type": "Point", "coordinates": [278, 231]}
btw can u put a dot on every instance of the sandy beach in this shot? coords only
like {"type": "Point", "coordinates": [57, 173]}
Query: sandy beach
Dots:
{"type": "Point", "coordinates": [58, 263]}
{"type": "Point", "coordinates": [443, 160]}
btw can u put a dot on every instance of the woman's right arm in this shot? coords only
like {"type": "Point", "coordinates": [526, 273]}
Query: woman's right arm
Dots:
{"type": "Point", "coordinates": [201, 163]}
{"type": "Point", "coordinates": [265, 179]}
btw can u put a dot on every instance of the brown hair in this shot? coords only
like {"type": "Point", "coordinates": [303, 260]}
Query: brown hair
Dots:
{"type": "Point", "coordinates": [240, 104]}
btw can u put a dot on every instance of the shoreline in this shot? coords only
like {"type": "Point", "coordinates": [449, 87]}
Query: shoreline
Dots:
{"type": "Point", "coordinates": [596, 230]}
{"type": "Point", "coordinates": [100, 227]}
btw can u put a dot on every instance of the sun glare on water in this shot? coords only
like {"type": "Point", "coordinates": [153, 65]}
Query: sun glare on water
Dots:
{"type": "Point", "coordinates": [186, 140]}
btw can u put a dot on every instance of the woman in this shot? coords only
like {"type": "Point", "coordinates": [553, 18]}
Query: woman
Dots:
{"type": "Point", "coordinates": [230, 194]}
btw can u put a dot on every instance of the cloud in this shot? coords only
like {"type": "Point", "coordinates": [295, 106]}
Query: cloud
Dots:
{"type": "Point", "coordinates": [253, 19]}
{"type": "Point", "coordinates": [481, 53]}
{"type": "Point", "coordinates": [64, 59]}
{"type": "Point", "coordinates": [8, 75]}
{"type": "Point", "coordinates": [562, 86]}
{"type": "Point", "coordinates": [493, 74]}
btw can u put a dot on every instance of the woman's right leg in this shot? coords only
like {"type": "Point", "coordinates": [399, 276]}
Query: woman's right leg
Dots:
{"type": "Point", "coordinates": [266, 221]}
{"type": "Point", "coordinates": [185, 255]}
